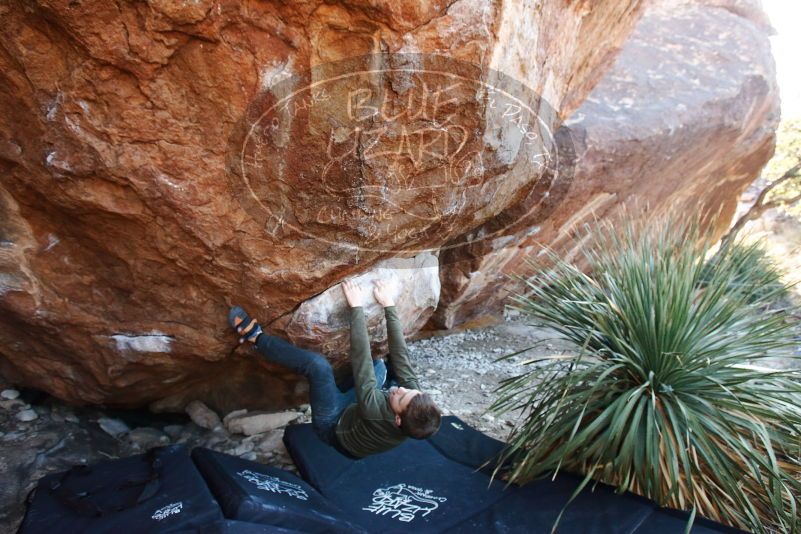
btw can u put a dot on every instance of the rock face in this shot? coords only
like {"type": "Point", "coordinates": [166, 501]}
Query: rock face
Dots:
{"type": "Point", "coordinates": [685, 119]}
{"type": "Point", "coordinates": [130, 214]}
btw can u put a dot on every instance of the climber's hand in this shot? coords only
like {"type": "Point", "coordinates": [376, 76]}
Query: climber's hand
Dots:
{"type": "Point", "coordinates": [384, 292]}
{"type": "Point", "coordinates": [353, 293]}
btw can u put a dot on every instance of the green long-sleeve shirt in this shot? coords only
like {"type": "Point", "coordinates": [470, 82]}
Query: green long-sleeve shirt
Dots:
{"type": "Point", "coordinates": [368, 427]}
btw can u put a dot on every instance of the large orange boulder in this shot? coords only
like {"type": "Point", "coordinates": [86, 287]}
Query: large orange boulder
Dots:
{"type": "Point", "coordinates": [161, 161]}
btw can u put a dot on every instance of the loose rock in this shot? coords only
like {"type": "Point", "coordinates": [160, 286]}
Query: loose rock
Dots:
{"type": "Point", "coordinates": [235, 413]}
{"type": "Point", "coordinates": [146, 437]}
{"type": "Point", "coordinates": [257, 423]}
{"type": "Point", "coordinates": [113, 427]}
{"type": "Point", "coordinates": [13, 404]}
{"type": "Point", "coordinates": [242, 448]}
{"type": "Point", "coordinates": [71, 418]}
{"type": "Point", "coordinates": [9, 394]}
{"type": "Point", "coordinates": [27, 415]}
{"type": "Point", "coordinates": [270, 441]}
{"type": "Point", "coordinates": [203, 416]}
{"type": "Point", "coordinates": [173, 431]}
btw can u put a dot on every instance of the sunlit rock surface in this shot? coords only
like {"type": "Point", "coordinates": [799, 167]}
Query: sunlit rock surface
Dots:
{"type": "Point", "coordinates": [684, 119]}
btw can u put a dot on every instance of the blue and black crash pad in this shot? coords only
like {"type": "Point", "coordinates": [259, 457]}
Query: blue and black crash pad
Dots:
{"type": "Point", "coordinates": [257, 493]}
{"type": "Point", "coordinates": [232, 526]}
{"type": "Point", "coordinates": [409, 488]}
{"type": "Point", "coordinates": [435, 485]}
{"type": "Point", "coordinates": [160, 491]}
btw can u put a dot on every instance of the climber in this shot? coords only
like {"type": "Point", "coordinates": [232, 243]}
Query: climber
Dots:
{"type": "Point", "coordinates": [367, 419]}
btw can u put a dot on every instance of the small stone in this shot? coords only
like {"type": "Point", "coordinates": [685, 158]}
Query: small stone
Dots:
{"type": "Point", "coordinates": [270, 441]}
{"type": "Point", "coordinates": [27, 415]}
{"type": "Point", "coordinates": [242, 448]}
{"type": "Point", "coordinates": [113, 427]}
{"type": "Point", "coordinates": [58, 413]}
{"type": "Point", "coordinates": [487, 417]}
{"type": "Point", "coordinates": [72, 418]}
{"type": "Point", "coordinates": [280, 449]}
{"type": "Point", "coordinates": [235, 413]}
{"type": "Point", "coordinates": [9, 394]}
{"type": "Point", "coordinates": [12, 404]}
{"type": "Point", "coordinates": [147, 437]}
{"type": "Point", "coordinates": [256, 423]}
{"type": "Point", "coordinates": [10, 436]}
{"type": "Point", "coordinates": [215, 440]}
{"type": "Point", "coordinates": [250, 456]}
{"type": "Point", "coordinates": [203, 416]}
{"type": "Point", "coordinates": [173, 431]}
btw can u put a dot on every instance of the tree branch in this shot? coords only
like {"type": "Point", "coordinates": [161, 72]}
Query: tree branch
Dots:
{"type": "Point", "coordinates": [760, 206]}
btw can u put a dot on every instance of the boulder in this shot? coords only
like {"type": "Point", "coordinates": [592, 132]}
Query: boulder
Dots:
{"type": "Point", "coordinates": [685, 119]}
{"type": "Point", "coordinates": [131, 220]}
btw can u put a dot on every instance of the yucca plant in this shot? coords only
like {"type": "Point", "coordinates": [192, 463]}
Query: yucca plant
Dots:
{"type": "Point", "coordinates": [663, 395]}
{"type": "Point", "coordinates": [755, 272]}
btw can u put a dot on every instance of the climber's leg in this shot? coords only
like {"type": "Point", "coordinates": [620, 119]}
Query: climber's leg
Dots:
{"type": "Point", "coordinates": [323, 392]}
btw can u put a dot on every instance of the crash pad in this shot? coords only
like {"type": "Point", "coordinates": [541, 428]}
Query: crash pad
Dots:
{"type": "Point", "coordinates": [257, 493]}
{"type": "Point", "coordinates": [442, 484]}
{"type": "Point", "coordinates": [160, 491]}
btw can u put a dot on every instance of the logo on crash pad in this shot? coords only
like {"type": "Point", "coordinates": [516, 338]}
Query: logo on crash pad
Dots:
{"type": "Point", "coordinates": [274, 484]}
{"type": "Point", "coordinates": [404, 502]}
{"type": "Point", "coordinates": [166, 511]}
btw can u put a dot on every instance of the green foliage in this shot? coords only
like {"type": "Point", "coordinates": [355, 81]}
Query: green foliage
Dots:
{"type": "Point", "coordinates": [662, 396]}
{"type": "Point", "coordinates": [753, 272]}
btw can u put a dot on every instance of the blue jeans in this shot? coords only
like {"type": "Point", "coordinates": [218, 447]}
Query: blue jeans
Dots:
{"type": "Point", "coordinates": [326, 400]}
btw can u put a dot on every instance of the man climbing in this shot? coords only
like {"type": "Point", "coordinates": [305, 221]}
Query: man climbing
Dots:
{"type": "Point", "coordinates": [373, 420]}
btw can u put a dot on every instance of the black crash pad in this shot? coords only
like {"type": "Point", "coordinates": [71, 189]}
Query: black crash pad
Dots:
{"type": "Point", "coordinates": [257, 493]}
{"type": "Point", "coordinates": [409, 488]}
{"type": "Point", "coordinates": [435, 486]}
{"type": "Point", "coordinates": [174, 498]}
{"type": "Point", "coordinates": [231, 526]}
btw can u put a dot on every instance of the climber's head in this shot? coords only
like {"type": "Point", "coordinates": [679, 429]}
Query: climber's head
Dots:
{"type": "Point", "coordinates": [415, 412]}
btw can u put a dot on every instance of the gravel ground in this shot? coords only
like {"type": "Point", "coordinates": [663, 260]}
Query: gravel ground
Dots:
{"type": "Point", "coordinates": [461, 372]}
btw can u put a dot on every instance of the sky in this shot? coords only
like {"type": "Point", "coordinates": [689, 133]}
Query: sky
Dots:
{"type": "Point", "coordinates": [785, 16]}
